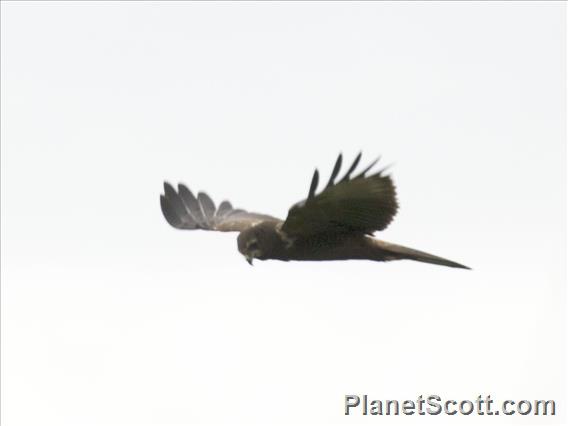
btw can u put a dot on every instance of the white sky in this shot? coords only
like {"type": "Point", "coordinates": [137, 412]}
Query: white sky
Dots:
{"type": "Point", "coordinates": [110, 316]}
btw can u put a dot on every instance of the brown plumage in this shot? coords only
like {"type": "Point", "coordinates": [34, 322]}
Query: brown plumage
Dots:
{"type": "Point", "coordinates": [336, 224]}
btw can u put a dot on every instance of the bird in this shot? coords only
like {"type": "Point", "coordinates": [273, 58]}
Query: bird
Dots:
{"type": "Point", "coordinates": [337, 223]}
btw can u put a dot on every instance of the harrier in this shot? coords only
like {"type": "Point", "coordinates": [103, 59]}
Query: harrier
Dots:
{"type": "Point", "coordinates": [334, 224]}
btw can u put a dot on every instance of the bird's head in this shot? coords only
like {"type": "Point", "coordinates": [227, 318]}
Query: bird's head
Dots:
{"type": "Point", "coordinates": [258, 241]}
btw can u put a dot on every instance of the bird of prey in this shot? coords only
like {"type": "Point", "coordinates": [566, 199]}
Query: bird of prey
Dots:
{"type": "Point", "coordinates": [334, 224]}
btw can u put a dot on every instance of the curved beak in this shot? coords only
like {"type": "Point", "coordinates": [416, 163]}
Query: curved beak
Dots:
{"type": "Point", "coordinates": [249, 259]}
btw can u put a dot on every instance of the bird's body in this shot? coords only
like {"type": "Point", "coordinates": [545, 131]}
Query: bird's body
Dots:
{"type": "Point", "coordinates": [346, 246]}
{"type": "Point", "coordinates": [334, 225]}
{"type": "Point", "coordinates": [316, 247]}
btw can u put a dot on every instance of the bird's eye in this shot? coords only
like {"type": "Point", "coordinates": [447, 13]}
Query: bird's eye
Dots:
{"type": "Point", "coordinates": [253, 245]}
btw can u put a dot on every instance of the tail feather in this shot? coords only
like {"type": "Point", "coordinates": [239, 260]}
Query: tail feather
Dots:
{"type": "Point", "coordinates": [394, 252]}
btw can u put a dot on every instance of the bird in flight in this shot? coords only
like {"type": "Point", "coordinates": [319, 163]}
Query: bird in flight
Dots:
{"type": "Point", "coordinates": [334, 224]}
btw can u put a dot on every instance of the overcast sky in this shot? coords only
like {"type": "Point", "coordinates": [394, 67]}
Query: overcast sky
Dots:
{"type": "Point", "coordinates": [110, 316]}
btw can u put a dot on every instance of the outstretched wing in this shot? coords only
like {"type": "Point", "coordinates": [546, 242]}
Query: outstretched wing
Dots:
{"type": "Point", "coordinates": [359, 204]}
{"type": "Point", "coordinates": [183, 210]}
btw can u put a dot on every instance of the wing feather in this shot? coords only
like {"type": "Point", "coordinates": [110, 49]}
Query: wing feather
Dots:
{"type": "Point", "coordinates": [352, 168]}
{"type": "Point", "coordinates": [170, 214]}
{"type": "Point", "coordinates": [224, 208]}
{"type": "Point", "coordinates": [335, 171]}
{"type": "Point", "coordinates": [190, 202]}
{"type": "Point", "coordinates": [314, 184]}
{"type": "Point", "coordinates": [176, 208]}
{"type": "Point", "coordinates": [207, 207]}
